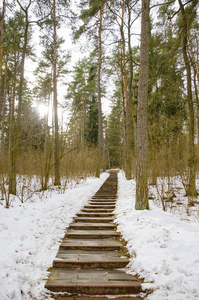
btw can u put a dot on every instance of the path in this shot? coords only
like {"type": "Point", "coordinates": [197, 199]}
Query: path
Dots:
{"type": "Point", "coordinates": [92, 253]}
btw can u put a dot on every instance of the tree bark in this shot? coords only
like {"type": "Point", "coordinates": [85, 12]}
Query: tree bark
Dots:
{"type": "Point", "coordinates": [100, 129]}
{"type": "Point", "coordinates": [21, 80]}
{"type": "Point", "coordinates": [142, 135]}
{"type": "Point", "coordinates": [12, 142]}
{"type": "Point", "coordinates": [3, 112]}
{"type": "Point", "coordinates": [1, 51]}
{"type": "Point", "coordinates": [55, 102]}
{"type": "Point", "coordinates": [84, 114]}
{"type": "Point", "coordinates": [126, 95]}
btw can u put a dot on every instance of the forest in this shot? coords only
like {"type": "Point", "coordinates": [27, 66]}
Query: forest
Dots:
{"type": "Point", "coordinates": [150, 80]}
{"type": "Point", "coordinates": [90, 89]}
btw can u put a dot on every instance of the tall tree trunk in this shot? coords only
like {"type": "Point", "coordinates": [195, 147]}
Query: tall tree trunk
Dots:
{"type": "Point", "coordinates": [100, 129]}
{"type": "Point", "coordinates": [193, 63]}
{"type": "Point", "coordinates": [22, 65]}
{"type": "Point", "coordinates": [84, 115]}
{"type": "Point", "coordinates": [1, 51]}
{"type": "Point", "coordinates": [191, 191]}
{"type": "Point", "coordinates": [47, 148]}
{"type": "Point", "coordinates": [12, 137]}
{"type": "Point", "coordinates": [55, 104]}
{"type": "Point", "coordinates": [123, 130]}
{"type": "Point", "coordinates": [126, 95]}
{"type": "Point", "coordinates": [45, 175]}
{"type": "Point", "coordinates": [123, 115]}
{"type": "Point", "coordinates": [197, 103]}
{"type": "Point", "coordinates": [130, 55]}
{"type": "Point", "coordinates": [131, 76]}
{"type": "Point", "coordinates": [15, 140]}
{"type": "Point", "coordinates": [3, 110]}
{"type": "Point", "coordinates": [142, 134]}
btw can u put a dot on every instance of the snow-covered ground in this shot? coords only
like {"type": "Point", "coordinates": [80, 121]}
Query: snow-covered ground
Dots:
{"type": "Point", "coordinates": [30, 234]}
{"type": "Point", "coordinates": [164, 245]}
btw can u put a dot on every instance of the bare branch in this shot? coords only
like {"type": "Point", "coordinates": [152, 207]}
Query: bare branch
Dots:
{"type": "Point", "coordinates": [24, 10]}
{"type": "Point", "coordinates": [160, 4]}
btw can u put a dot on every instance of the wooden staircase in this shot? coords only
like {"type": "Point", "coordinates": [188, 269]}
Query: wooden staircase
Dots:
{"type": "Point", "coordinates": [90, 256]}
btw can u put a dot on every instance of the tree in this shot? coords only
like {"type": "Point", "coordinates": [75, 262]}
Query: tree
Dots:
{"type": "Point", "coordinates": [119, 10]}
{"type": "Point", "coordinates": [142, 135]}
{"type": "Point", "coordinates": [166, 105]}
{"type": "Point", "coordinates": [83, 93]}
{"type": "Point", "coordinates": [51, 18]}
{"type": "Point", "coordinates": [100, 128]}
{"type": "Point", "coordinates": [91, 133]}
{"type": "Point", "coordinates": [24, 17]}
{"type": "Point", "coordinates": [188, 16]}
{"type": "Point", "coordinates": [78, 91]}
{"type": "Point", "coordinates": [42, 93]}
{"type": "Point", "coordinates": [95, 8]}
{"type": "Point", "coordinates": [55, 102]}
{"type": "Point", "coordinates": [1, 49]}
{"type": "Point", "coordinates": [113, 135]}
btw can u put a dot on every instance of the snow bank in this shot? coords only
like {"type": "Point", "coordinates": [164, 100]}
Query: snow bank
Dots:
{"type": "Point", "coordinates": [30, 234]}
{"type": "Point", "coordinates": [164, 248]}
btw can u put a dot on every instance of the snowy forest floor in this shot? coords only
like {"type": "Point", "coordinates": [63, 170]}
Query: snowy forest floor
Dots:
{"type": "Point", "coordinates": [163, 244]}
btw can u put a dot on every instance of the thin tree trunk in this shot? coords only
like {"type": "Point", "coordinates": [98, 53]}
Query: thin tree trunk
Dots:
{"type": "Point", "coordinates": [12, 142]}
{"type": "Point", "coordinates": [47, 149]}
{"type": "Point", "coordinates": [3, 110]}
{"type": "Point", "coordinates": [126, 95]}
{"type": "Point", "coordinates": [191, 191]}
{"type": "Point", "coordinates": [21, 80]}
{"type": "Point", "coordinates": [123, 131]}
{"type": "Point", "coordinates": [142, 135]}
{"type": "Point", "coordinates": [45, 163]}
{"type": "Point", "coordinates": [55, 104]}
{"type": "Point", "coordinates": [196, 95]}
{"type": "Point", "coordinates": [84, 115]}
{"type": "Point", "coordinates": [1, 51]}
{"type": "Point", "coordinates": [100, 129]}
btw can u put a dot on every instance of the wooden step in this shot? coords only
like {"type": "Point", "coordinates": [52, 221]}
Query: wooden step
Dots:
{"type": "Point", "coordinates": [94, 202]}
{"type": "Point", "coordinates": [92, 226]}
{"type": "Point", "coordinates": [89, 260]}
{"type": "Point", "coordinates": [90, 244]}
{"type": "Point", "coordinates": [104, 198]}
{"type": "Point", "coordinates": [99, 206]}
{"type": "Point", "coordinates": [94, 219]}
{"type": "Point", "coordinates": [107, 201]}
{"type": "Point", "coordinates": [92, 282]}
{"type": "Point", "coordinates": [96, 210]}
{"type": "Point", "coordinates": [102, 204]}
{"type": "Point", "coordinates": [91, 234]}
{"type": "Point", "coordinates": [90, 297]}
{"type": "Point", "coordinates": [97, 215]}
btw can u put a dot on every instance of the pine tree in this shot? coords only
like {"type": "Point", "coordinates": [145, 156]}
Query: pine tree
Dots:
{"type": "Point", "coordinates": [142, 134]}
{"type": "Point", "coordinates": [91, 133]}
{"type": "Point", "coordinates": [188, 16]}
{"type": "Point", "coordinates": [88, 13]}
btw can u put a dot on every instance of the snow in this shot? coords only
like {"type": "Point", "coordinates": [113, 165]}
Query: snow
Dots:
{"type": "Point", "coordinates": [163, 244]}
{"type": "Point", "coordinates": [30, 235]}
